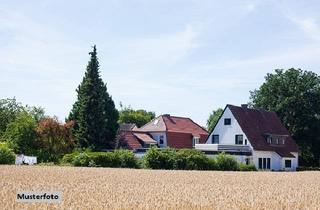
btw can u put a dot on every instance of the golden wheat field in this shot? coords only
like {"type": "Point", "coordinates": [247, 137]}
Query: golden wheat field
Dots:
{"type": "Point", "coordinates": [105, 188]}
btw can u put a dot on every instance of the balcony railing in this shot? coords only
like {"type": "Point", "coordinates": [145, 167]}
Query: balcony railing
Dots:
{"type": "Point", "coordinates": [224, 148]}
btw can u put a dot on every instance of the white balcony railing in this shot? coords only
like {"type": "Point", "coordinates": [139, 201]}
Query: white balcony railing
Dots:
{"type": "Point", "coordinates": [223, 147]}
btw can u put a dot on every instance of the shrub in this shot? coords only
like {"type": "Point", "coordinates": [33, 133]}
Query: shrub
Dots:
{"type": "Point", "coordinates": [68, 158]}
{"type": "Point", "coordinates": [245, 167]}
{"type": "Point", "coordinates": [226, 162]}
{"type": "Point", "coordinates": [160, 159]}
{"type": "Point", "coordinates": [304, 168]}
{"type": "Point", "coordinates": [127, 158]}
{"type": "Point", "coordinates": [116, 159]}
{"type": "Point", "coordinates": [189, 159]}
{"type": "Point", "coordinates": [82, 159]}
{"type": "Point", "coordinates": [6, 155]}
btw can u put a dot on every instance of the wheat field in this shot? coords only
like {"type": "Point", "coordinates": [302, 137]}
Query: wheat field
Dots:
{"type": "Point", "coordinates": [105, 188]}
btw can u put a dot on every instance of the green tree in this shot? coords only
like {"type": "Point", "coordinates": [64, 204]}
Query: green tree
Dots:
{"type": "Point", "coordinates": [213, 119]}
{"type": "Point", "coordinates": [295, 96]}
{"type": "Point", "coordinates": [10, 109]}
{"type": "Point", "coordinates": [94, 112]}
{"type": "Point", "coordinates": [140, 117]}
{"type": "Point", "coordinates": [20, 134]}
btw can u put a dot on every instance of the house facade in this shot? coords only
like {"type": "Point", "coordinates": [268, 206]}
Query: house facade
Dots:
{"type": "Point", "coordinates": [253, 136]}
{"type": "Point", "coordinates": [168, 131]}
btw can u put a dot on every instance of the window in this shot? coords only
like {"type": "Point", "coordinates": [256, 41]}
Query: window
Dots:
{"type": "Point", "coordinates": [239, 139]}
{"type": "Point", "coordinates": [260, 163]}
{"type": "Point", "coordinates": [195, 141]}
{"type": "Point", "coordinates": [215, 139]}
{"type": "Point", "coordinates": [161, 139]}
{"type": "Point", "coordinates": [247, 161]}
{"type": "Point", "coordinates": [245, 141]}
{"type": "Point", "coordinates": [287, 163]}
{"type": "Point", "coordinates": [227, 121]}
{"type": "Point", "coordinates": [264, 163]}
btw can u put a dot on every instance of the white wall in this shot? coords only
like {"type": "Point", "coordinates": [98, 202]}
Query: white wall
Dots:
{"type": "Point", "coordinates": [294, 162]}
{"type": "Point", "coordinates": [156, 136]}
{"type": "Point", "coordinates": [227, 132]}
{"type": "Point", "coordinates": [277, 162]}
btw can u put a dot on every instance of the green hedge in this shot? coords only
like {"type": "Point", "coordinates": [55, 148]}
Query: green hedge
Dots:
{"type": "Point", "coordinates": [115, 159]}
{"type": "Point", "coordinates": [303, 168]}
{"type": "Point", "coordinates": [6, 154]}
{"type": "Point", "coordinates": [190, 159]}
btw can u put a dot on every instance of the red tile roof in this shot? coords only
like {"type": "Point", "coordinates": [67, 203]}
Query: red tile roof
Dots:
{"type": "Point", "coordinates": [256, 123]}
{"type": "Point", "coordinates": [183, 125]}
{"type": "Point", "coordinates": [145, 138]}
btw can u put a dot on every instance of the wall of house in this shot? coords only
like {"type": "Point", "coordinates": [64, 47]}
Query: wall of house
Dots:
{"type": "Point", "coordinates": [294, 162]}
{"type": "Point", "coordinates": [179, 140]}
{"type": "Point", "coordinates": [156, 136]}
{"type": "Point", "coordinates": [276, 160]}
{"type": "Point", "coordinates": [227, 132]}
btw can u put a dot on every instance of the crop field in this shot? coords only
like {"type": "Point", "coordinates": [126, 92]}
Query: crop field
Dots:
{"type": "Point", "coordinates": [105, 188]}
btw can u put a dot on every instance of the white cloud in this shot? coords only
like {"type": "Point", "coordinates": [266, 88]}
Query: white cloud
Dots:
{"type": "Point", "coordinates": [309, 25]}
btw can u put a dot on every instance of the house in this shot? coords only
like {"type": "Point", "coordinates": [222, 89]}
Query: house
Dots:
{"type": "Point", "coordinates": [166, 131]}
{"type": "Point", "coordinates": [253, 136]}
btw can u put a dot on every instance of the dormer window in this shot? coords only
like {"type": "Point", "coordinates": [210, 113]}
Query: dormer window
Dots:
{"type": "Point", "coordinates": [227, 121]}
{"type": "Point", "coordinates": [275, 139]}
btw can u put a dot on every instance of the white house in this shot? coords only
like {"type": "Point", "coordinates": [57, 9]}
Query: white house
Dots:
{"type": "Point", "coordinates": [253, 136]}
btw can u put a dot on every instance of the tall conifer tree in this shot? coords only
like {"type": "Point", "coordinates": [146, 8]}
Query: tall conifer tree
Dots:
{"type": "Point", "coordinates": [94, 111]}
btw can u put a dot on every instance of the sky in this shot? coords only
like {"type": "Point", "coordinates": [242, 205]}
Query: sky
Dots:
{"type": "Point", "coordinates": [179, 57]}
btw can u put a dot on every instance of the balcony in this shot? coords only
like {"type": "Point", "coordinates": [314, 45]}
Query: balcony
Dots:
{"type": "Point", "coordinates": [230, 149]}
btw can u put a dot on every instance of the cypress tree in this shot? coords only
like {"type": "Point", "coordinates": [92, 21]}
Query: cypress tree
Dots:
{"type": "Point", "coordinates": [94, 112]}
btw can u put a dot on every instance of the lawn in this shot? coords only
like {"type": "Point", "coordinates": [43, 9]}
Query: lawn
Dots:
{"type": "Point", "coordinates": [105, 188]}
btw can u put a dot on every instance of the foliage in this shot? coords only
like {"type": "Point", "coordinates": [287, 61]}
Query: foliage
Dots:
{"type": "Point", "coordinates": [295, 96]}
{"type": "Point", "coordinates": [6, 155]}
{"type": "Point", "coordinates": [53, 139]}
{"type": "Point", "coordinates": [213, 119]}
{"type": "Point", "coordinates": [82, 159]}
{"type": "Point", "coordinates": [139, 117]}
{"type": "Point", "coordinates": [190, 159]}
{"type": "Point", "coordinates": [115, 159]}
{"type": "Point", "coordinates": [20, 134]}
{"type": "Point", "coordinates": [245, 167]}
{"type": "Point", "coordinates": [226, 162]}
{"type": "Point", "coordinates": [160, 159]}
{"type": "Point", "coordinates": [303, 168]}
{"type": "Point", "coordinates": [94, 112]}
{"type": "Point", "coordinates": [185, 159]}
{"type": "Point", "coordinates": [10, 109]}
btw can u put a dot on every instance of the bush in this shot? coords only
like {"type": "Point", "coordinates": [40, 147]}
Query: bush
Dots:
{"type": "Point", "coordinates": [127, 158]}
{"type": "Point", "coordinates": [226, 162]}
{"type": "Point", "coordinates": [116, 159]}
{"type": "Point", "coordinates": [82, 159]}
{"type": "Point", "coordinates": [160, 159]}
{"type": "Point", "coordinates": [6, 155]}
{"type": "Point", "coordinates": [304, 168]}
{"type": "Point", "coordinates": [245, 167]}
{"type": "Point", "coordinates": [189, 159]}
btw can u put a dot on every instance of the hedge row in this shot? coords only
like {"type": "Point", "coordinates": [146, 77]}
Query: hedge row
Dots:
{"type": "Point", "coordinates": [188, 159]}
{"type": "Point", "coordinates": [303, 168]}
{"type": "Point", "coordinates": [116, 159]}
{"type": "Point", "coordinates": [185, 159]}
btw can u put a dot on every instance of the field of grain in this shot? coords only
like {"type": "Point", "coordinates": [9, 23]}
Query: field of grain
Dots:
{"type": "Point", "coordinates": [104, 188]}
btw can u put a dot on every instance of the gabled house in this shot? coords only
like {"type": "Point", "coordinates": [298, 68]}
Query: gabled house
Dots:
{"type": "Point", "coordinates": [253, 136]}
{"type": "Point", "coordinates": [167, 131]}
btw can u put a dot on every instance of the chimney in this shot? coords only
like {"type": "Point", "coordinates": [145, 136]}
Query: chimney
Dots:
{"type": "Point", "coordinates": [245, 106]}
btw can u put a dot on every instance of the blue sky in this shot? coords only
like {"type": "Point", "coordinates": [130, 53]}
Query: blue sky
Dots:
{"type": "Point", "coordinates": [184, 57]}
